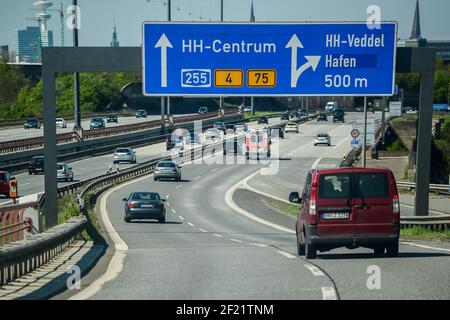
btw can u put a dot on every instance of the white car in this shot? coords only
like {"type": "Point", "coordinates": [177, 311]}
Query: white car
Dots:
{"type": "Point", "coordinates": [64, 172]}
{"type": "Point", "coordinates": [291, 127]}
{"type": "Point", "coordinates": [61, 123]}
{"type": "Point", "coordinates": [241, 128]}
{"type": "Point", "coordinates": [322, 138]}
{"type": "Point", "coordinates": [212, 134]}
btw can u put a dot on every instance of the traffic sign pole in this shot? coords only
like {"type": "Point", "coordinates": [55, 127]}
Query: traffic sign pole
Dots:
{"type": "Point", "coordinates": [365, 134]}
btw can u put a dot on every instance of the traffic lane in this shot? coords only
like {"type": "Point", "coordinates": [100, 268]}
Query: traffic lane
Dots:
{"type": "Point", "coordinates": [299, 155]}
{"type": "Point", "coordinates": [177, 260]}
{"type": "Point", "coordinates": [420, 272]}
{"type": "Point", "coordinates": [18, 132]}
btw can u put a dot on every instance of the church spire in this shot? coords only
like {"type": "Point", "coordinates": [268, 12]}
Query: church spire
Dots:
{"type": "Point", "coordinates": [416, 33]}
{"type": "Point", "coordinates": [115, 41]}
{"type": "Point", "coordinates": [252, 14]}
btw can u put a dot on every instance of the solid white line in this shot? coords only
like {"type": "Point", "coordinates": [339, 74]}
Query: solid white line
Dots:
{"type": "Point", "coordinates": [286, 254]}
{"type": "Point", "coordinates": [173, 211]}
{"type": "Point", "coordinates": [258, 245]}
{"type": "Point", "coordinates": [217, 235]}
{"type": "Point", "coordinates": [432, 211]}
{"type": "Point", "coordinates": [191, 224]}
{"type": "Point", "coordinates": [316, 163]}
{"type": "Point", "coordinates": [181, 218]}
{"type": "Point", "coordinates": [328, 293]}
{"type": "Point", "coordinates": [315, 271]}
{"type": "Point", "coordinates": [424, 247]}
{"type": "Point", "coordinates": [202, 230]}
{"type": "Point", "coordinates": [239, 241]}
{"type": "Point", "coordinates": [230, 202]}
{"type": "Point", "coordinates": [249, 187]}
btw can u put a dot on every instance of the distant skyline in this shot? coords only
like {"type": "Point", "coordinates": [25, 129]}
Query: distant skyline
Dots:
{"type": "Point", "coordinates": [98, 16]}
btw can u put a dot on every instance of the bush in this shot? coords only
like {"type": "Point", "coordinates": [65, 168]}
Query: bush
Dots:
{"type": "Point", "coordinates": [397, 146]}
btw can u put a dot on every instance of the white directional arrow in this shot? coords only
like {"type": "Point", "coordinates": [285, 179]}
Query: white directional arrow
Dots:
{"type": "Point", "coordinates": [163, 43]}
{"type": "Point", "coordinates": [313, 61]}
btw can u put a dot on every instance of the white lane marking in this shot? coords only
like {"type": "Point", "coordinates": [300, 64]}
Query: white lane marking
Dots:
{"type": "Point", "coordinates": [316, 163]}
{"type": "Point", "coordinates": [167, 197]}
{"type": "Point", "coordinates": [249, 187]}
{"type": "Point", "coordinates": [173, 211]}
{"type": "Point", "coordinates": [328, 293]}
{"type": "Point", "coordinates": [181, 218]}
{"type": "Point", "coordinates": [196, 178]}
{"type": "Point", "coordinates": [424, 246]}
{"type": "Point", "coordinates": [168, 204]}
{"type": "Point", "coordinates": [230, 203]}
{"type": "Point", "coordinates": [214, 170]}
{"type": "Point", "coordinates": [83, 169]}
{"type": "Point", "coordinates": [287, 255]}
{"type": "Point", "coordinates": [315, 271]}
{"type": "Point", "coordinates": [202, 230]}
{"type": "Point", "coordinates": [235, 240]}
{"type": "Point", "coordinates": [191, 224]}
{"type": "Point", "coordinates": [178, 187]}
{"type": "Point", "coordinates": [217, 235]}
{"type": "Point", "coordinates": [258, 245]}
{"type": "Point", "coordinates": [432, 211]}
{"type": "Point", "coordinates": [25, 184]}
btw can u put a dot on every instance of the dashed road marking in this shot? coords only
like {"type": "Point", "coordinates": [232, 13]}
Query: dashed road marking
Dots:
{"type": "Point", "coordinates": [315, 271]}
{"type": "Point", "coordinates": [196, 178]}
{"type": "Point", "coordinates": [202, 230]}
{"type": "Point", "coordinates": [173, 211]}
{"type": "Point", "coordinates": [235, 240]}
{"type": "Point", "coordinates": [328, 293]}
{"type": "Point", "coordinates": [258, 245]}
{"type": "Point", "coordinates": [217, 235]}
{"type": "Point", "coordinates": [178, 187]}
{"type": "Point", "coordinates": [181, 218]}
{"type": "Point", "coordinates": [167, 197]}
{"type": "Point", "coordinates": [214, 170]}
{"type": "Point", "coordinates": [287, 255]}
{"type": "Point", "coordinates": [191, 224]}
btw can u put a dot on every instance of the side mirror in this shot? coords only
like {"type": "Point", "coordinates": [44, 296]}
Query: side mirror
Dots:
{"type": "Point", "coordinates": [179, 167]}
{"type": "Point", "coordinates": [124, 199]}
{"type": "Point", "coordinates": [294, 197]}
{"type": "Point", "coordinates": [12, 178]}
{"type": "Point", "coordinates": [163, 200]}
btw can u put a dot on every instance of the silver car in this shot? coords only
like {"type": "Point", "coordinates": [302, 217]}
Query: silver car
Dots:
{"type": "Point", "coordinates": [167, 170]}
{"type": "Point", "coordinates": [64, 172]}
{"type": "Point", "coordinates": [124, 155]}
{"type": "Point", "coordinates": [61, 123]}
{"type": "Point", "coordinates": [212, 134]}
{"type": "Point", "coordinates": [322, 138]}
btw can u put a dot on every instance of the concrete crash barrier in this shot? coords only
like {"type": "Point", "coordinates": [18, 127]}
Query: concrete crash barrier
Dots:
{"type": "Point", "coordinates": [17, 222]}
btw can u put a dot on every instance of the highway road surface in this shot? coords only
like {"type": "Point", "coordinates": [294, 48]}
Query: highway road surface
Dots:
{"type": "Point", "coordinates": [222, 242]}
{"type": "Point", "coordinates": [18, 132]}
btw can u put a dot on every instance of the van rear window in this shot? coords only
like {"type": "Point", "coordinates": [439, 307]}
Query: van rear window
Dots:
{"type": "Point", "coordinates": [335, 186]}
{"type": "Point", "coordinates": [371, 185]}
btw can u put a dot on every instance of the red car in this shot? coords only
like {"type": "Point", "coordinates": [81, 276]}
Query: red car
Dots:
{"type": "Point", "coordinates": [348, 207]}
{"type": "Point", "coordinates": [5, 183]}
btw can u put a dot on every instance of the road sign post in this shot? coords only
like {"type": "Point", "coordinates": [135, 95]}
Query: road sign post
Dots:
{"type": "Point", "coordinates": [268, 59]}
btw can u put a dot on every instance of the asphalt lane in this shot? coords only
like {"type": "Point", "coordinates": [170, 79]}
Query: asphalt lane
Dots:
{"type": "Point", "coordinates": [18, 132]}
{"type": "Point", "coordinates": [209, 251]}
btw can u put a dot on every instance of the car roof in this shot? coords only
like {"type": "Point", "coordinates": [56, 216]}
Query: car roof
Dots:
{"type": "Point", "coordinates": [349, 170]}
{"type": "Point", "coordinates": [166, 161]}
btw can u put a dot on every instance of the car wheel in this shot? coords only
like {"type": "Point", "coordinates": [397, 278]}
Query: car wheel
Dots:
{"type": "Point", "coordinates": [71, 179]}
{"type": "Point", "coordinates": [30, 173]}
{"type": "Point", "coordinates": [329, 144]}
{"type": "Point", "coordinates": [310, 251]}
{"type": "Point", "coordinates": [300, 245]}
{"type": "Point", "coordinates": [392, 250]}
{"type": "Point", "coordinates": [315, 144]}
{"type": "Point", "coordinates": [179, 178]}
{"type": "Point", "coordinates": [379, 251]}
{"type": "Point", "coordinates": [155, 179]}
{"type": "Point", "coordinates": [162, 220]}
{"type": "Point", "coordinates": [127, 220]}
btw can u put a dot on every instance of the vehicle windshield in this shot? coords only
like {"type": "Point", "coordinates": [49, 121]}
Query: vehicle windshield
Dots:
{"type": "Point", "coordinates": [166, 165]}
{"type": "Point", "coordinates": [322, 135]}
{"type": "Point", "coordinates": [60, 167]}
{"type": "Point", "coordinates": [335, 186]}
{"type": "Point", "coordinates": [122, 151]}
{"type": "Point", "coordinates": [145, 196]}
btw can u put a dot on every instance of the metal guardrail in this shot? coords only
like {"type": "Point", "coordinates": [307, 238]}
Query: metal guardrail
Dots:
{"type": "Point", "coordinates": [437, 188]}
{"type": "Point", "coordinates": [13, 223]}
{"type": "Point", "coordinates": [25, 256]}
{"type": "Point", "coordinates": [38, 142]}
{"type": "Point", "coordinates": [436, 223]}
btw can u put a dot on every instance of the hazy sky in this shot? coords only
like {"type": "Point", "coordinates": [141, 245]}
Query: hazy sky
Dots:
{"type": "Point", "coordinates": [98, 16]}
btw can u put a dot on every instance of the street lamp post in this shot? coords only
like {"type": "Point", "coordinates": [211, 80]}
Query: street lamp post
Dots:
{"type": "Point", "coordinates": [76, 83]}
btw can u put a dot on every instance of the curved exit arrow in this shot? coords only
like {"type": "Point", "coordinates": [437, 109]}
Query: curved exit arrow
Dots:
{"type": "Point", "coordinates": [312, 61]}
{"type": "Point", "coordinates": [163, 43]}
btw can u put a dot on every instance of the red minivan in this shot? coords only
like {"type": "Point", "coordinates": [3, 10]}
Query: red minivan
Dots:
{"type": "Point", "coordinates": [348, 207]}
{"type": "Point", "coordinates": [5, 183]}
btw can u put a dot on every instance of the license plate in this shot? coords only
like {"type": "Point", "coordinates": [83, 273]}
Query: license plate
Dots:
{"type": "Point", "coordinates": [147, 206]}
{"type": "Point", "coordinates": [336, 215]}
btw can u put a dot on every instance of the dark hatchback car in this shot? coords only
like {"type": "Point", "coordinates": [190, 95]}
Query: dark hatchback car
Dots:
{"type": "Point", "coordinates": [97, 123]}
{"type": "Point", "coordinates": [32, 123]}
{"type": "Point", "coordinates": [322, 117]}
{"type": "Point", "coordinates": [145, 205]}
{"type": "Point", "coordinates": [112, 118]}
{"type": "Point", "coordinates": [141, 114]}
{"type": "Point", "coordinates": [285, 116]}
{"type": "Point", "coordinates": [35, 165]}
{"type": "Point", "coordinates": [263, 120]}
{"type": "Point", "coordinates": [338, 115]}
{"type": "Point", "coordinates": [348, 207]}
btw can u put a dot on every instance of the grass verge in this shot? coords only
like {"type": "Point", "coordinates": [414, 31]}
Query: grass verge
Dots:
{"type": "Point", "coordinates": [420, 233]}
{"type": "Point", "coordinates": [248, 115]}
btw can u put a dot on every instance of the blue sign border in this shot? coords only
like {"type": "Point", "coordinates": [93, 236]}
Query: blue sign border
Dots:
{"type": "Point", "coordinates": [272, 94]}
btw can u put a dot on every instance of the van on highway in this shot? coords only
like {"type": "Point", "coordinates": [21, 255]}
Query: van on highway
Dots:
{"type": "Point", "coordinates": [331, 106]}
{"type": "Point", "coordinates": [348, 207]}
{"type": "Point", "coordinates": [257, 144]}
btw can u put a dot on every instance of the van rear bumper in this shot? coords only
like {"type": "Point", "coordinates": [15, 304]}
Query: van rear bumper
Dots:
{"type": "Point", "coordinates": [328, 243]}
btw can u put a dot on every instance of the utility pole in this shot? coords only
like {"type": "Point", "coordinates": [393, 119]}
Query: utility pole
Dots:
{"type": "Point", "coordinates": [76, 84]}
{"type": "Point", "coordinates": [169, 18]}
{"type": "Point", "coordinates": [221, 20]}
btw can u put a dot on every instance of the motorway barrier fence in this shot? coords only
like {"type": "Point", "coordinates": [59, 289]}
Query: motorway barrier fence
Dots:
{"type": "Point", "coordinates": [15, 222]}
{"type": "Point", "coordinates": [435, 188]}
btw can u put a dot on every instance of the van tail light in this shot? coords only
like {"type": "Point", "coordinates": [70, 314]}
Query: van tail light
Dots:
{"type": "Point", "coordinates": [312, 207]}
{"type": "Point", "coordinates": [313, 201]}
{"type": "Point", "coordinates": [396, 205]}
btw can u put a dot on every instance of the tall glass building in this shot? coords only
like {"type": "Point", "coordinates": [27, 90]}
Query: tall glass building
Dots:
{"type": "Point", "coordinates": [29, 41]}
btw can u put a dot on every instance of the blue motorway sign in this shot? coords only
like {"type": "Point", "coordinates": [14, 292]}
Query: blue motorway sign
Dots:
{"type": "Point", "coordinates": [268, 59]}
